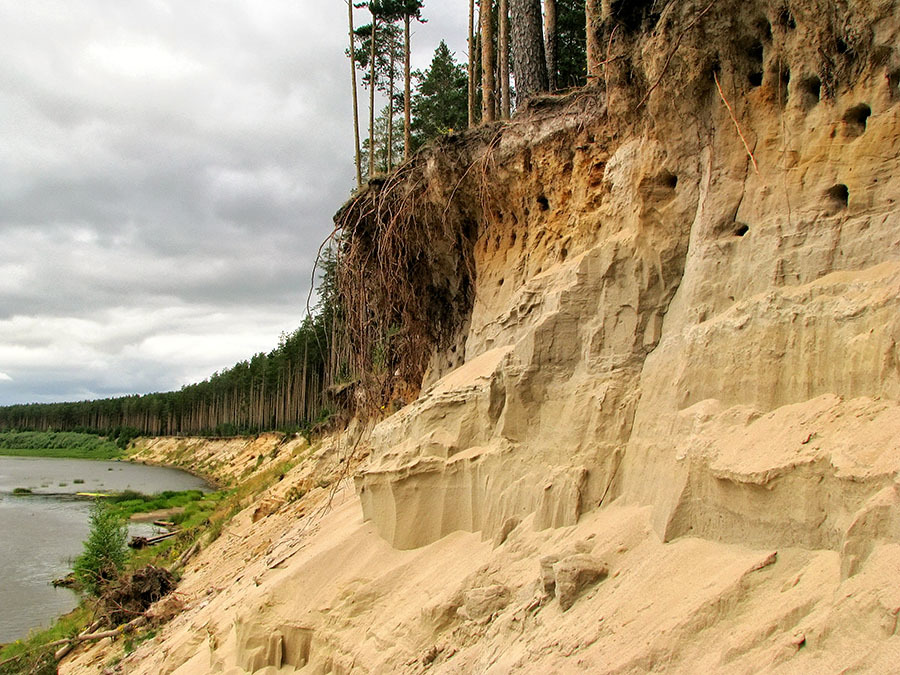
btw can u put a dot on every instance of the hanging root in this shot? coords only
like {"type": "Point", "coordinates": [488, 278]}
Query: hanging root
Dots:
{"type": "Point", "coordinates": [405, 271]}
{"type": "Point", "coordinates": [736, 125]}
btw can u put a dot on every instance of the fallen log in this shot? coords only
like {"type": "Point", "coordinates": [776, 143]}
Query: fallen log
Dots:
{"type": "Point", "coordinates": [69, 643]}
{"type": "Point", "coordinates": [143, 542]}
{"type": "Point", "coordinates": [184, 557]}
{"type": "Point", "coordinates": [60, 653]}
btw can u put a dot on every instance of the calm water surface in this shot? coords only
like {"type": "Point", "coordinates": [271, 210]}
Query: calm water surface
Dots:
{"type": "Point", "coordinates": [41, 534]}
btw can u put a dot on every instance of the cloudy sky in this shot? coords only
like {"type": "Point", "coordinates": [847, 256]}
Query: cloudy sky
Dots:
{"type": "Point", "coordinates": [167, 172]}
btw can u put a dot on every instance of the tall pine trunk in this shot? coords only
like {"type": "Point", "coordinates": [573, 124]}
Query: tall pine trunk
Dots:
{"type": "Point", "coordinates": [471, 63]}
{"type": "Point", "coordinates": [503, 20]}
{"type": "Point", "coordinates": [389, 155]}
{"type": "Point", "coordinates": [592, 10]}
{"type": "Point", "coordinates": [407, 133]}
{"type": "Point", "coordinates": [488, 87]}
{"type": "Point", "coordinates": [529, 64]}
{"type": "Point", "coordinates": [550, 42]}
{"type": "Point", "coordinates": [355, 97]}
{"type": "Point", "coordinates": [372, 99]}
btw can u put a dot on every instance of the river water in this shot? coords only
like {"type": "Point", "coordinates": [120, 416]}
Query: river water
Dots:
{"type": "Point", "coordinates": [41, 534]}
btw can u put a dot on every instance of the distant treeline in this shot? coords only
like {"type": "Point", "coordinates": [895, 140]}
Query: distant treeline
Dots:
{"type": "Point", "coordinates": [284, 390]}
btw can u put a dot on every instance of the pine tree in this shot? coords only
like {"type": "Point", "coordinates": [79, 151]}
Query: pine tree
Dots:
{"type": "Point", "coordinates": [488, 86]}
{"type": "Point", "coordinates": [410, 9]}
{"type": "Point", "coordinates": [592, 12]}
{"type": "Point", "coordinates": [550, 42]}
{"type": "Point", "coordinates": [387, 145]}
{"type": "Point", "coordinates": [440, 102]}
{"type": "Point", "coordinates": [471, 70]}
{"type": "Point", "coordinates": [529, 64]}
{"type": "Point", "coordinates": [387, 51]}
{"type": "Point", "coordinates": [352, 54]}
{"type": "Point", "coordinates": [503, 58]}
{"type": "Point", "coordinates": [104, 552]}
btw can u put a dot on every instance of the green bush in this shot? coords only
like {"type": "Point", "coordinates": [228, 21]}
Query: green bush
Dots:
{"type": "Point", "coordinates": [105, 551]}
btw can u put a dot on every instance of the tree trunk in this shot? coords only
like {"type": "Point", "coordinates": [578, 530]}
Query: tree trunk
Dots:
{"type": "Point", "coordinates": [594, 50]}
{"type": "Point", "coordinates": [471, 63]}
{"type": "Point", "coordinates": [372, 100]}
{"type": "Point", "coordinates": [407, 133]}
{"type": "Point", "coordinates": [355, 98]}
{"type": "Point", "coordinates": [550, 42]}
{"type": "Point", "coordinates": [390, 121]}
{"type": "Point", "coordinates": [503, 19]}
{"type": "Point", "coordinates": [488, 87]}
{"type": "Point", "coordinates": [529, 64]}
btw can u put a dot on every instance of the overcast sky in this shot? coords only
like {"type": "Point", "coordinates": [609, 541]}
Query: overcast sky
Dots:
{"type": "Point", "coordinates": [167, 173]}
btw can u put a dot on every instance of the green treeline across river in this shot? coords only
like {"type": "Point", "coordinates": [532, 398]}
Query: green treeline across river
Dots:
{"type": "Point", "coordinates": [284, 389]}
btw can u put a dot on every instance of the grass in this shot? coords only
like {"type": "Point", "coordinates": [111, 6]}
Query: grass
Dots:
{"type": "Point", "coordinates": [25, 651]}
{"type": "Point", "coordinates": [133, 641]}
{"type": "Point", "coordinates": [125, 504]}
{"type": "Point", "coordinates": [57, 444]}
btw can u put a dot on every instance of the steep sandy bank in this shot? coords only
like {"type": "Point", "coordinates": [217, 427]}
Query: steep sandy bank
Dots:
{"type": "Point", "coordinates": [225, 461]}
{"type": "Point", "coordinates": [665, 435]}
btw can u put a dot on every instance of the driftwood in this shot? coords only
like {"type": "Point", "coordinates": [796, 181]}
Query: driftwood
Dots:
{"type": "Point", "coordinates": [69, 643]}
{"type": "Point", "coordinates": [184, 557]}
{"type": "Point", "coordinates": [143, 542]}
{"type": "Point", "coordinates": [60, 653]}
{"type": "Point", "coordinates": [68, 581]}
{"type": "Point", "coordinates": [66, 645]}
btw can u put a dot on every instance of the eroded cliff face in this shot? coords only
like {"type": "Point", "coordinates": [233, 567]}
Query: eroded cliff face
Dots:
{"type": "Point", "coordinates": [665, 435]}
{"type": "Point", "coordinates": [659, 314]}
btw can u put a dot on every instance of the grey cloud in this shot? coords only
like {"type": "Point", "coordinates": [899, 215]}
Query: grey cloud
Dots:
{"type": "Point", "coordinates": [168, 172]}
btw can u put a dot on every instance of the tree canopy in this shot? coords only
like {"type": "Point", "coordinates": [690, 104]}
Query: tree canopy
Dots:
{"type": "Point", "coordinates": [439, 102]}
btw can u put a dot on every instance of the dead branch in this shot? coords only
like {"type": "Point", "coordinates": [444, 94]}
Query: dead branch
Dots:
{"type": "Point", "coordinates": [69, 643]}
{"type": "Point", "coordinates": [184, 557]}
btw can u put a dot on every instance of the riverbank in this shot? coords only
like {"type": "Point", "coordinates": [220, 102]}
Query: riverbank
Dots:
{"type": "Point", "coordinates": [224, 462]}
{"type": "Point", "coordinates": [243, 467]}
{"type": "Point", "coordinates": [58, 445]}
{"type": "Point", "coordinates": [45, 524]}
{"type": "Point", "coordinates": [256, 464]}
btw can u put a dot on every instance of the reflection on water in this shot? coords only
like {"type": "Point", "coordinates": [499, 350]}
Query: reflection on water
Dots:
{"type": "Point", "coordinates": [40, 535]}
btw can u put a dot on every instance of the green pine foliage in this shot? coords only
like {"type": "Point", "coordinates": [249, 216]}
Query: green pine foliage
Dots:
{"type": "Point", "coordinates": [572, 43]}
{"type": "Point", "coordinates": [439, 104]}
{"type": "Point", "coordinates": [105, 552]}
{"type": "Point", "coordinates": [388, 54]}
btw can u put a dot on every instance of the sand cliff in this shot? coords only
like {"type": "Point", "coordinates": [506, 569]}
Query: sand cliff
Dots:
{"type": "Point", "coordinates": [666, 436]}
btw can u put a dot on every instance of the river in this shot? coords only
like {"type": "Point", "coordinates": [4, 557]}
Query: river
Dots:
{"type": "Point", "coordinates": [42, 533]}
